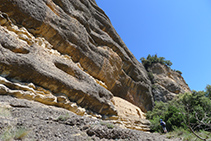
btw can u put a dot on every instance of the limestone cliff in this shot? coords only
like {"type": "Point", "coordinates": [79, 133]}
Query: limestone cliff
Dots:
{"type": "Point", "coordinates": [66, 53]}
{"type": "Point", "coordinates": [166, 83]}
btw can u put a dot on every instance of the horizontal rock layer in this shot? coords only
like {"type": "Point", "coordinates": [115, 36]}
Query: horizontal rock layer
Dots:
{"type": "Point", "coordinates": [21, 119]}
{"type": "Point", "coordinates": [70, 49]}
{"type": "Point", "coordinates": [130, 116]}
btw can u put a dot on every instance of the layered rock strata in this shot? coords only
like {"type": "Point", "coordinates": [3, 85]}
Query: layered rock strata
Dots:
{"type": "Point", "coordinates": [26, 120]}
{"type": "Point", "coordinates": [71, 50]}
{"type": "Point", "coordinates": [167, 83]}
{"type": "Point", "coordinates": [130, 116]}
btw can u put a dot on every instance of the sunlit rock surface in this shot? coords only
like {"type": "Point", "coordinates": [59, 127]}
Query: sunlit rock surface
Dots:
{"type": "Point", "coordinates": [59, 51]}
{"type": "Point", "coordinates": [167, 83]}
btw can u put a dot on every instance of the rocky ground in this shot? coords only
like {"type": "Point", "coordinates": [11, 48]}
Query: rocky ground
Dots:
{"type": "Point", "coordinates": [22, 119]}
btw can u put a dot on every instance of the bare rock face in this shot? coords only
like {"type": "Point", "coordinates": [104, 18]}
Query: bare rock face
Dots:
{"type": "Point", "coordinates": [130, 116]}
{"type": "Point", "coordinates": [167, 83]}
{"type": "Point", "coordinates": [65, 53]}
{"type": "Point", "coordinates": [21, 119]}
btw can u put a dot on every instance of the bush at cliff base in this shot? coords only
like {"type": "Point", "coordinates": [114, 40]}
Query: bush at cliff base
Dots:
{"type": "Point", "coordinates": [189, 109]}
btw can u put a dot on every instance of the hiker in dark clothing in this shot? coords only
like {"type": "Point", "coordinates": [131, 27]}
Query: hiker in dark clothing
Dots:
{"type": "Point", "coordinates": [163, 124]}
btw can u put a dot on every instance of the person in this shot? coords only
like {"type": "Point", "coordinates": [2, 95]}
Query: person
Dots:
{"type": "Point", "coordinates": [163, 124]}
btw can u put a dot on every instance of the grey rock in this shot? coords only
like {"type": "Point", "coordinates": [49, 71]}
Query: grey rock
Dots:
{"type": "Point", "coordinates": [80, 30]}
{"type": "Point", "coordinates": [167, 83]}
{"type": "Point", "coordinates": [42, 122]}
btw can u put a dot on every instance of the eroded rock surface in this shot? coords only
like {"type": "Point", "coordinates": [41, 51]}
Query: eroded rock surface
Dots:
{"type": "Point", "coordinates": [167, 83]}
{"type": "Point", "coordinates": [21, 119]}
{"type": "Point", "coordinates": [71, 50]}
{"type": "Point", "coordinates": [130, 116]}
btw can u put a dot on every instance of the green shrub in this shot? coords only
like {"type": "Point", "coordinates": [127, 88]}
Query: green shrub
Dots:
{"type": "Point", "coordinates": [178, 72]}
{"type": "Point", "coordinates": [155, 116]}
{"type": "Point", "coordinates": [197, 106]}
{"type": "Point", "coordinates": [169, 112]}
{"type": "Point", "coordinates": [5, 112]}
{"type": "Point", "coordinates": [154, 59]}
{"type": "Point", "coordinates": [63, 117]}
{"type": "Point", "coordinates": [108, 125]}
{"type": "Point", "coordinates": [14, 133]}
{"type": "Point", "coordinates": [187, 135]}
{"type": "Point", "coordinates": [155, 125]}
{"type": "Point", "coordinates": [159, 110]}
{"type": "Point", "coordinates": [208, 91]}
{"type": "Point", "coordinates": [151, 76]}
{"type": "Point", "coordinates": [174, 118]}
{"type": "Point", "coordinates": [187, 110]}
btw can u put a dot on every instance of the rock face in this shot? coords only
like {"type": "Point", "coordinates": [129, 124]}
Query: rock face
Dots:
{"type": "Point", "coordinates": [166, 82]}
{"type": "Point", "coordinates": [21, 119]}
{"type": "Point", "coordinates": [130, 116]}
{"type": "Point", "coordinates": [67, 53]}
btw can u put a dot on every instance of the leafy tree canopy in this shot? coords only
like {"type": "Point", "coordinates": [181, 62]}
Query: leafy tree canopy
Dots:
{"type": "Point", "coordinates": [208, 91]}
{"type": "Point", "coordinates": [147, 62]}
{"type": "Point", "coordinates": [187, 111]}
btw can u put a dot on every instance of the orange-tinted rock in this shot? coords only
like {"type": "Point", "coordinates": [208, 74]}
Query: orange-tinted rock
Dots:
{"type": "Point", "coordinates": [71, 49]}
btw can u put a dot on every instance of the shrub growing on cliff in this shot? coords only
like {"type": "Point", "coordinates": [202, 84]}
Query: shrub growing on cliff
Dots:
{"type": "Point", "coordinates": [178, 72]}
{"type": "Point", "coordinates": [154, 59]}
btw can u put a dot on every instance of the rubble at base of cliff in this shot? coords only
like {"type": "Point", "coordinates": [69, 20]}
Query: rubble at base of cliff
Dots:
{"type": "Point", "coordinates": [22, 119]}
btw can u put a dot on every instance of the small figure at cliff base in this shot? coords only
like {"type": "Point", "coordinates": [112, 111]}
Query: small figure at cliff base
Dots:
{"type": "Point", "coordinates": [163, 124]}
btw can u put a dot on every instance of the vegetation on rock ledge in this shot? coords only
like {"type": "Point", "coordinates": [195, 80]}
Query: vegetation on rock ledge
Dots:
{"type": "Point", "coordinates": [154, 59]}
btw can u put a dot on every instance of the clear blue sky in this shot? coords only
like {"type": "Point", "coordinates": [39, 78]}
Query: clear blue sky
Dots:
{"type": "Point", "coordinates": [179, 30]}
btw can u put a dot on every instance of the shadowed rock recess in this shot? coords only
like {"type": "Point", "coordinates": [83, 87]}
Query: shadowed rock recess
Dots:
{"type": "Point", "coordinates": [66, 53]}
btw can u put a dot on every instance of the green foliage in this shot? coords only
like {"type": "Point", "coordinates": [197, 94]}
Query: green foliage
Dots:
{"type": "Point", "coordinates": [11, 132]}
{"type": "Point", "coordinates": [157, 114]}
{"type": "Point", "coordinates": [173, 118]}
{"type": "Point", "coordinates": [154, 86]}
{"type": "Point", "coordinates": [197, 106]}
{"type": "Point", "coordinates": [5, 112]}
{"type": "Point", "coordinates": [151, 76]}
{"type": "Point", "coordinates": [178, 72]}
{"type": "Point", "coordinates": [170, 112]}
{"type": "Point", "coordinates": [14, 133]}
{"type": "Point", "coordinates": [63, 117]}
{"type": "Point", "coordinates": [108, 125]}
{"type": "Point", "coordinates": [208, 91]}
{"type": "Point", "coordinates": [154, 59]}
{"type": "Point", "coordinates": [187, 135]}
{"type": "Point", "coordinates": [155, 125]}
{"type": "Point", "coordinates": [159, 110]}
{"type": "Point", "coordinates": [189, 109]}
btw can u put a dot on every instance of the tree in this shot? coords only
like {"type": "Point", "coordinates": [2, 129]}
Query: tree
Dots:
{"type": "Point", "coordinates": [188, 111]}
{"type": "Point", "coordinates": [151, 59]}
{"type": "Point", "coordinates": [198, 114]}
{"type": "Point", "coordinates": [208, 91]}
